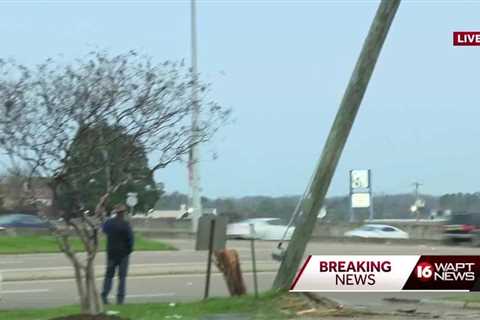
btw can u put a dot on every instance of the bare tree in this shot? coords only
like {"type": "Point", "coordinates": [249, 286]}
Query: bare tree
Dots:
{"type": "Point", "coordinates": [46, 110]}
{"type": "Point", "coordinates": [13, 193]}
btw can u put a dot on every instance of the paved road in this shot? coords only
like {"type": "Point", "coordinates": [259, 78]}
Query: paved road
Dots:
{"type": "Point", "coordinates": [188, 286]}
{"type": "Point", "coordinates": [187, 255]}
{"type": "Point", "coordinates": [168, 288]}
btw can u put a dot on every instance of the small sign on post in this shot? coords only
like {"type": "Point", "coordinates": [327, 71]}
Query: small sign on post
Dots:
{"type": "Point", "coordinates": [132, 201]}
{"type": "Point", "coordinates": [211, 235]}
{"type": "Point", "coordinates": [204, 231]}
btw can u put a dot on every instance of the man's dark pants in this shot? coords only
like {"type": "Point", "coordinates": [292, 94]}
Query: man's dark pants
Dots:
{"type": "Point", "coordinates": [114, 263]}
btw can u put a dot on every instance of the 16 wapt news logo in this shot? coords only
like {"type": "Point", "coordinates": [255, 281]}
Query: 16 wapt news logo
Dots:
{"type": "Point", "coordinates": [388, 273]}
{"type": "Point", "coordinates": [449, 271]}
{"type": "Point", "coordinates": [445, 273]}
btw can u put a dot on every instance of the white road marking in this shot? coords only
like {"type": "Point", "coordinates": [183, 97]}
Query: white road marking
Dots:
{"type": "Point", "coordinates": [24, 291]}
{"type": "Point", "coordinates": [11, 261]}
{"type": "Point", "coordinates": [249, 262]}
{"type": "Point", "coordinates": [199, 275]}
{"type": "Point", "coordinates": [37, 269]}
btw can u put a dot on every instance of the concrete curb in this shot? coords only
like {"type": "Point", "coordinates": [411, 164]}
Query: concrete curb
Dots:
{"type": "Point", "coordinates": [68, 272]}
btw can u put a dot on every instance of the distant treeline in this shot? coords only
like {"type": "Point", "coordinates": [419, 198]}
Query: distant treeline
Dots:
{"type": "Point", "coordinates": [385, 206]}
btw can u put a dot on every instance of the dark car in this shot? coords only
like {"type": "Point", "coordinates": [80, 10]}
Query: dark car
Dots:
{"type": "Point", "coordinates": [20, 220]}
{"type": "Point", "coordinates": [463, 226]}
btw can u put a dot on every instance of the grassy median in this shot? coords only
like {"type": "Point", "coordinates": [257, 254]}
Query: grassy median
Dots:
{"type": "Point", "coordinates": [263, 308]}
{"type": "Point", "coordinates": [465, 297]}
{"type": "Point", "coordinates": [48, 244]}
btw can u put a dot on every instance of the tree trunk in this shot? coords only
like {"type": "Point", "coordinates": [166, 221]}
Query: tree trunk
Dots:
{"type": "Point", "coordinates": [228, 262]}
{"type": "Point", "coordinates": [96, 305]}
{"type": "Point", "coordinates": [81, 288]}
{"type": "Point", "coordinates": [88, 285]}
{"type": "Point", "coordinates": [90, 302]}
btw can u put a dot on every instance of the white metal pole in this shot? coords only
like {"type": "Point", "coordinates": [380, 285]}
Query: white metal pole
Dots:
{"type": "Point", "coordinates": [194, 153]}
{"type": "Point", "coordinates": [371, 213]}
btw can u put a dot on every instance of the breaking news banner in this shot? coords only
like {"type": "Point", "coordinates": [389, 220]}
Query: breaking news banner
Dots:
{"type": "Point", "coordinates": [388, 274]}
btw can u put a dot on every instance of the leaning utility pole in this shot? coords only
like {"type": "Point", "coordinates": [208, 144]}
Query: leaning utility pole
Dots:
{"type": "Point", "coordinates": [336, 141]}
{"type": "Point", "coordinates": [193, 161]}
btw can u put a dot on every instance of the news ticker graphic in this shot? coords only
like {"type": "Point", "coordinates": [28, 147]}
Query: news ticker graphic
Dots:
{"type": "Point", "coordinates": [388, 273]}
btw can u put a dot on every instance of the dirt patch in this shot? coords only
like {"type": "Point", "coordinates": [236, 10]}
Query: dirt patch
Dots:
{"type": "Point", "coordinates": [307, 305]}
{"type": "Point", "coordinates": [89, 317]}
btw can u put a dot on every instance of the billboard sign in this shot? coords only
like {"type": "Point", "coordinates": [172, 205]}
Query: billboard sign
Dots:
{"type": "Point", "coordinates": [360, 200]}
{"type": "Point", "coordinates": [359, 179]}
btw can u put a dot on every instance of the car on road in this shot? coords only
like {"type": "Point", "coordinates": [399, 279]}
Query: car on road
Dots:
{"type": "Point", "coordinates": [265, 229]}
{"type": "Point", "coordinates": [377, 231]}
{"type": "Point", "coordinates": [462, 226]}
{"type": "Point", "coordinates": [21, 220]}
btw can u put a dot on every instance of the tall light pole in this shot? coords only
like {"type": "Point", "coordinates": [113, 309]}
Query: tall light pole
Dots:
{"type": "Point", "coordinates": [417, 187]}
{"type": "Point", "coordinates": [193, 161]}
{"type": "Point", "coordinates": [418, 205]}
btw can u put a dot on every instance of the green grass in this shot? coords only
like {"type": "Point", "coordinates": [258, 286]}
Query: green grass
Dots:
{"type": "Point", "coordinates": [263, 308]}
{"type": "Point", "coordinates": [465, 297]}
{"type": "Point", "coordinates": [48, 244]}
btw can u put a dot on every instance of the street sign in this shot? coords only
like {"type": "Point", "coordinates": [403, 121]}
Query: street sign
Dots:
{"type": "Point", "coordinates": [132, 199]}
{"type": "Point", "coordinates": [211, 235]}
{"type": "Point", "coordinates": [205, 229]}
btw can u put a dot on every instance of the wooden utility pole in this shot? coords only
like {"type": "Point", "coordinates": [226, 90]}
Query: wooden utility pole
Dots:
{"type": "Point", "coordinates": [336, 141]}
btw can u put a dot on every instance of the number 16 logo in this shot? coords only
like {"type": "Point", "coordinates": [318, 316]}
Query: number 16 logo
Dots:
{"type": "Point", "coordinates": [424, 271]}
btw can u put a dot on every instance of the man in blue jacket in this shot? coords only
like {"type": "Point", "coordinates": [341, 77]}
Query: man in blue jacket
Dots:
{"type": "Point", "coordinates": [119, 246]}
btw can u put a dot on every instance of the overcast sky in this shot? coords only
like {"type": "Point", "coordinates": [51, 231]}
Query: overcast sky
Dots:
{"type": "Point", "coordinates": [282, 66]}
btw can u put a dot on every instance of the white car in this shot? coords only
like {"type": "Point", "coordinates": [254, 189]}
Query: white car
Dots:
{"type": "Point", "coordinates": [265, 229]}
{"type": "Point", "coordinates": [380, 231]}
